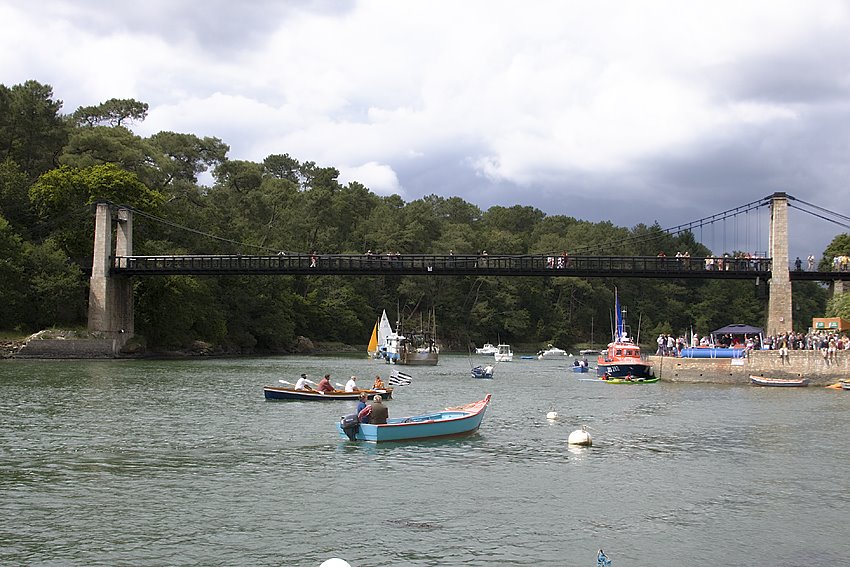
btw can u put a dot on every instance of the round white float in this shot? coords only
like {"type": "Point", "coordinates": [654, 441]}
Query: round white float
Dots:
{"type": "Point", "coordinates": [552, 415]}
{"type": "Point", "coordinates": [335, 562]}
{"type": "Point", "coordinates": [580, 437]}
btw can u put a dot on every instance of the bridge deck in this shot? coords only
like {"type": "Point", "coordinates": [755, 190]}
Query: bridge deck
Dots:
{"type": "Point", "coordinates": [460, 265]}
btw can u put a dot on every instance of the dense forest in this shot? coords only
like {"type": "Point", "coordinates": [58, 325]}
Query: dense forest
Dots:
{"type": "Point", "coordinates": [55, 166]}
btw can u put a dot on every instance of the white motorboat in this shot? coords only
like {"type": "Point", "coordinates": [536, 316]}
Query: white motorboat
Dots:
{"type": "Point", "coordinates": [551, 352]}
{"type": "Point", "coordinates": [504, 353]}
{"type": "Point", "coordinates": [487, 349]}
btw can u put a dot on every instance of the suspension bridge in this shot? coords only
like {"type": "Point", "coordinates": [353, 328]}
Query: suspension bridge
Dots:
{"type": "Point", "coordinates": [111, 300]}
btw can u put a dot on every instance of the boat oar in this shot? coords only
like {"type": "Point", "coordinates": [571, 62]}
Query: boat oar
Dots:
{"type": "Point", "coordinates": [340, 386]}
{"type": "Point", "coordinates": [285, 382]}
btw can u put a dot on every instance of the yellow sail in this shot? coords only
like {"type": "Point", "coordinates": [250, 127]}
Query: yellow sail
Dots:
{"type": "Point", "coordinates": [373, 342]}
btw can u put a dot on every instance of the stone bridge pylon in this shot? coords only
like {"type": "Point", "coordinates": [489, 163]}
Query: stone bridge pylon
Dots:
{"type": "Point", "coordinates": [779, 300]}
{"type": "Point", "coordinates": [111, 296]}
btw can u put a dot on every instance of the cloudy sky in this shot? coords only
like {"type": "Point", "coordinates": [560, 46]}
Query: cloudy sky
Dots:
{"type": "Point", "coordinates": [633, 112]}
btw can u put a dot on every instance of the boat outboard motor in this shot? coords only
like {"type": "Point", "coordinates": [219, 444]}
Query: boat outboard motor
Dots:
{"type": "Point", "coordinates": [350, 424]}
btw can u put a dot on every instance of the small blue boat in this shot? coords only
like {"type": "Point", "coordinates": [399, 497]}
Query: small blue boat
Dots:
{"type": "Point", "coordinates": [580, 369]}
{"type": "Point", "coordinates": [450, 422]}
{"type": "Point", "coordinates": [482, 372]}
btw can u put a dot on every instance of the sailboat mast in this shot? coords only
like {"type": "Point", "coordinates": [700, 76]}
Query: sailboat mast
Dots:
{"type": "Point", "coordinates": [591, 331]}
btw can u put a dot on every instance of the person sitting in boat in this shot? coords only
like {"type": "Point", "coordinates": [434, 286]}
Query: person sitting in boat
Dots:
{"type": "Point", "coordinates": [363, 409]}
{"type": "Point", "coordinates": [584, 363]}
{"type": "Point", "coordinates": [576, 363]}
{"type": "Point", "coordinates": [379, 413]}
{"type": "Point", "coordinates": [325, 384]}
{"type": "Point", "coordinates": [302, 384]}
{"type": "Point", "coordinates": [379, 384]}
{"type": "Point", "coordinates": [351, 385]}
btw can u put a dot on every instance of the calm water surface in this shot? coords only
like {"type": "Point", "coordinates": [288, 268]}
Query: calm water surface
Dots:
{"type": "Point", "coordinates": [155, 463]}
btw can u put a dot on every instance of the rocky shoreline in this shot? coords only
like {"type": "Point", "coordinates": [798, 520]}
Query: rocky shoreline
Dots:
{"type": "Point", "coordinates": [8, 348]}
{"type": "Point", "coordinates": [65, 344]}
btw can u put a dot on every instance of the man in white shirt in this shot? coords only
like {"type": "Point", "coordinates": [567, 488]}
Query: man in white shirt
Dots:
{"type": "Point", "coordinates": [351, 385]}
{"type": "Point", "coordinates": [302, 383]}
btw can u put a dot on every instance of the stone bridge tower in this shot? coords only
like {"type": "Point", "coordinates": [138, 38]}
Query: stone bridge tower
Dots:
{"type": "Point", "coordinates": [111, 296]}
{"type": "Point", "coordinates": [779, 301]}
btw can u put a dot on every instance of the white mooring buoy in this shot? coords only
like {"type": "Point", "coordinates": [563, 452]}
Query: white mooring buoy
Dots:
{"type": "Point", "coordinates": [580, 437]}
{"type": "Point", "coordinates": [335, 562]}
{"type": "Point", "coordinates": [552, 415]}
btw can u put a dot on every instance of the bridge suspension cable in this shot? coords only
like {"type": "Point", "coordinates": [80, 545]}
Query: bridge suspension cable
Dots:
{"type": "Point", "coordinates": [709, 220]}
{"type": "Point", "coordinates": [820, 216]}
{"type": "Point", "coordinates": [198, 232]}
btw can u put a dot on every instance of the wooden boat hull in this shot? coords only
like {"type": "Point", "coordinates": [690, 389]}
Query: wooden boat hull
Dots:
{"type": "Point", "coordinates": [450, 422]}
{"type": "Point", "coordinates": [281, 393]}
{"type": "Point", "coordinates": [782, 383]}
{"type": "Point", "coordinates": [418, 358]}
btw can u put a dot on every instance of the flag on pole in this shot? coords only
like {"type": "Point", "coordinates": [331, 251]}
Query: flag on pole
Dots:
{"type": "Point", "coordinates": [400, 378]}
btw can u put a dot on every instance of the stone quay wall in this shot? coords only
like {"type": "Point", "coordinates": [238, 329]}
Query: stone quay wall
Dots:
{"type": "Point", "coordinates": [801, 363]}
{"type": "Point", "coordinates": [69, 348]}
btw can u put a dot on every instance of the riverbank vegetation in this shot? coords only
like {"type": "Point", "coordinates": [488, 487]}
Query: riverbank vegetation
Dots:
{"type": "Point", "coordinates": [55, 166]}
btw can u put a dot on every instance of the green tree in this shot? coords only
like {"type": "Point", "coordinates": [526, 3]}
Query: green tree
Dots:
{"type": "Point", "coordinates": [13, 292]}
{"type": "Point", "coordinates": [14, 199]}
{"type": "Point", "coordinates": [56, 291]}
{"type": "Point", "coordinates": [32, 130]}
{"type": "Point", "coordinates": [113, 112]}
{"type": "Point", "coordinates": [838, 306]}
{"type": "Point", "coordinates": [63, 197]}
{"type": "Point", "coordinates": [100, 145]}
{"type": "Point", "coordinates": [840, 246]}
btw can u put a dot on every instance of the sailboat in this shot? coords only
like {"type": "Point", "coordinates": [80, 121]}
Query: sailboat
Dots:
{"type": "Point", "coordinates": [378, 342]}
{"type": "Point", "coordinates": [372, 349]}
{"type": "Point", "coordinates": [417, 348]}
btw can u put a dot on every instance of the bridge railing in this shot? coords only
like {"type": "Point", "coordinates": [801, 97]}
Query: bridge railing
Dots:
{"type": "Point", "coordinates": [449, 264]}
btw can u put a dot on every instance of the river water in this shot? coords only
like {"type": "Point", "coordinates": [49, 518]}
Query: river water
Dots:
{"type": "Point", "coordinates": [139, 463]}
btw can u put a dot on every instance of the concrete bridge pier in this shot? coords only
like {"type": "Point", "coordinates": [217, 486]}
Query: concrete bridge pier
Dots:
{"type": "Point", "coordinates": [111, 296]}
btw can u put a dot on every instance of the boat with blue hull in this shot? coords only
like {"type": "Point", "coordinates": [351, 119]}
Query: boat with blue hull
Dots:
{"type": "Point", "coordinates": [450, 422]}
{"type": "Point", "coordinates": [281, 393]}
{"type": "Point", "coordinates": [482, 371]}
{"type": "Point", "coordinates": [623, 358]}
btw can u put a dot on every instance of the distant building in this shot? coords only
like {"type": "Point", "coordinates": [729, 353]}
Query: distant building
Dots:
{"type": "Point", "coordinates": [830, 324]}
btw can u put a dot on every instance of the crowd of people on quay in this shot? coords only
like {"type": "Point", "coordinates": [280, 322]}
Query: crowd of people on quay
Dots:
{"type": "Point", "coordinates": [828, 343]}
